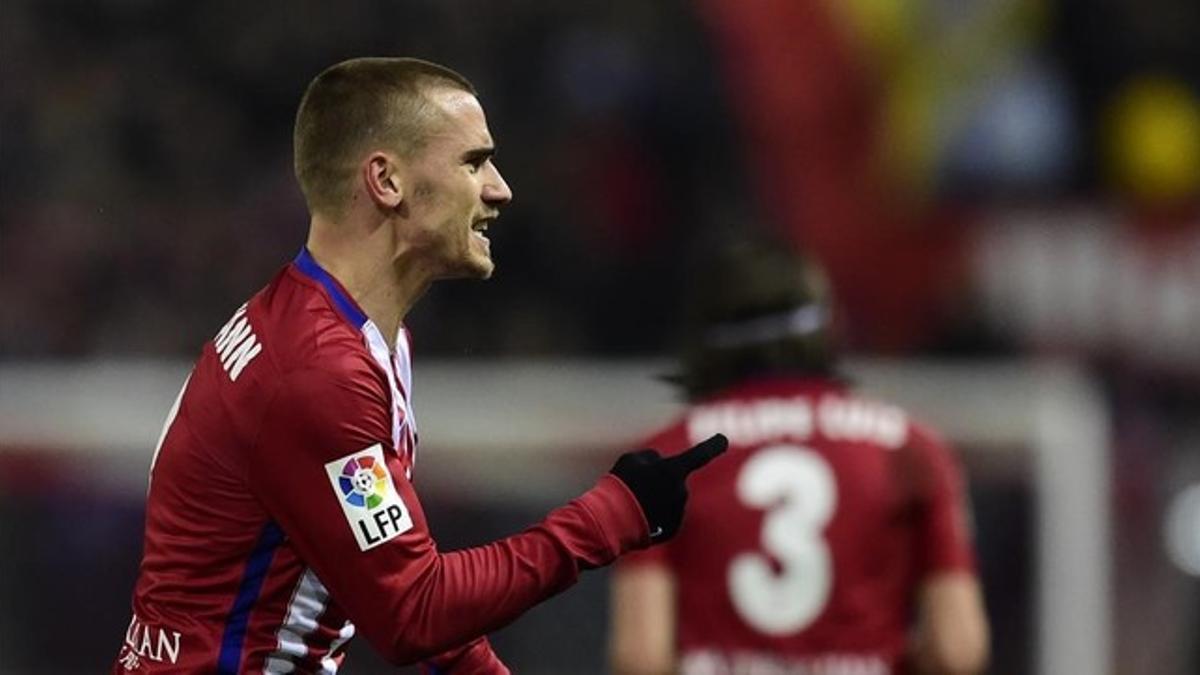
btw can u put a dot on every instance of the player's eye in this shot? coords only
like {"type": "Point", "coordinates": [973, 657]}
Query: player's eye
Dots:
{"type": "Point", "coordinates": [476, 160]}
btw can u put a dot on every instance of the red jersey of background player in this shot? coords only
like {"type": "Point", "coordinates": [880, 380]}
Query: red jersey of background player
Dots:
{"type": "Point", "coordinates": [281, 519]}
{"type": "Point", "coordinates": [827, 511]}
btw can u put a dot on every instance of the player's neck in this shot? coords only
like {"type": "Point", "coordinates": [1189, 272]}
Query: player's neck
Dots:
{"type": "Point", "coordinates": [370, 273]}
{"type": "Point", "coordinates": [384, 295]}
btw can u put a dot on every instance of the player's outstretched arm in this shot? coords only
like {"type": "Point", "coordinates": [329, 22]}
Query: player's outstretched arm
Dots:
{"type": "Point", "coordinates": [531, 566]}
{"type": "Point", "coordinates": [407, 598]}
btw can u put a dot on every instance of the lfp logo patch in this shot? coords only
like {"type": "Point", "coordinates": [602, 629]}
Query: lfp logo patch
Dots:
{"type": "Point", "coordinates": [363, 481]}
{"type": "Point", "coordinates": [368, 498]}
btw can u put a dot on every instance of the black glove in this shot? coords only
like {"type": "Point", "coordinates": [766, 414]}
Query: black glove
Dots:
{"type": "Point", "coordinates": [660, 484]}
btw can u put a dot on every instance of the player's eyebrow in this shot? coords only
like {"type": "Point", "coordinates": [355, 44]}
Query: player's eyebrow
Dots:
{"type": "Point", "coordinates": [479, 155]}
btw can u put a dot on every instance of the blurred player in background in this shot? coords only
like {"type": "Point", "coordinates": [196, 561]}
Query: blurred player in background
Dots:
{"type": "Point", "coordinates": [833, 523]}
{"type": "Point", "coordinates": [281, 518]}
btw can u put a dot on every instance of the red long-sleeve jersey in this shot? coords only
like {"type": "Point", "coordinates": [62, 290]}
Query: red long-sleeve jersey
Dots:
{"type": "Point", "coordinates": [281, 518]}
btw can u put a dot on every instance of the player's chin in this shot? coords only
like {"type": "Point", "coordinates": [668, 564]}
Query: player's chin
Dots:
{"type": "Point", "coordinates": [477, 266]}
{"type": "Point", "coordinates": [485, 271]}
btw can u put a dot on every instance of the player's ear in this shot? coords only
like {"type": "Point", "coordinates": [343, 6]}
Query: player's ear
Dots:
{"type": "Point", "coordinates": [381, 176]}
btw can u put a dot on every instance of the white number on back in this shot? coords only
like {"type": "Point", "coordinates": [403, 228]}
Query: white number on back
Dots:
{"type": "Point", "coordinates": [797, 488]}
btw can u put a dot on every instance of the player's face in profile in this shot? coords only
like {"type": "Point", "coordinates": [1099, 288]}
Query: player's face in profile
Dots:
{"type": "Point", "coordinates": [456, 190]}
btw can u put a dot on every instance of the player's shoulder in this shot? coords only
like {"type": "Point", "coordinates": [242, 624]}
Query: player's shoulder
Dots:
{"type": "Point", "coordinates": [932, 448]}
{"type": "Point", "coordinates": [301, 333]}
{"type": "Point", "coordinates": [919, 434]}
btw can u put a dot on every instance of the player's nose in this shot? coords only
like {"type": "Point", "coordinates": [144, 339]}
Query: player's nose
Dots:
{"type": "Point", "coordinates": [495, 189]}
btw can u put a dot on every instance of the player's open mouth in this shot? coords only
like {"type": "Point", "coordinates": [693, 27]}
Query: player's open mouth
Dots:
{"type": "Point", "coordinates": [479, 229]}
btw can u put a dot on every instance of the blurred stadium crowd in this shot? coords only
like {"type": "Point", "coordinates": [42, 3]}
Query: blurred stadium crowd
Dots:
{"type": "Point", "coordinates": [147, 150]}
{"type": "Point", "coordinates": [981, 177]}
{"type": "Point", "coordinates": [175, 121]}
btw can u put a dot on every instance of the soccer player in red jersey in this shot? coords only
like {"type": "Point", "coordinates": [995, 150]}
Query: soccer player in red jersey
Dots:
{"type": "Point", "coordinates": [832, 538]}
{"type": "Point", "coordinates": [281, 517]}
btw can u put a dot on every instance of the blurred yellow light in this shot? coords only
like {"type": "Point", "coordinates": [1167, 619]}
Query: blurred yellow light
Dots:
{"type": "Point", "coordinates": [1152, 140]}
{"type": "Point", "coordinates": [883, 25]}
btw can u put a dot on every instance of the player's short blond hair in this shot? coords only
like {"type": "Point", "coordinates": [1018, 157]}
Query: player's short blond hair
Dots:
{"type": "Point", "coordinates": [357, 106]}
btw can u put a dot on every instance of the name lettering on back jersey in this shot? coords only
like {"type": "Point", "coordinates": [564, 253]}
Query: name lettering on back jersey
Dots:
{"type": "Point", "coordinates": [152, 643]}
{"type": "Point", "coordinates": [368, 497]}
{"type": "Point", "coordinates": [837, 418]}
{"type": "Point", "coordinates": [236, 344]}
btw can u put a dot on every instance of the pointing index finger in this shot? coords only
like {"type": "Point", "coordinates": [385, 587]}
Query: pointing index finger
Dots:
{"type": "Point", "coordinates": [698, 455]}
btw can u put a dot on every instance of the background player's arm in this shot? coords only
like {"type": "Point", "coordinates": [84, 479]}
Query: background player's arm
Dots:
{"type": "Point", "coordinates": [952, 631]}
{"type": "Point", "coordinates": [642, 638]}
{"type": "Point", "coordinates": [409, 600]}
{"type": "Point", "coordinates": [952, 634]}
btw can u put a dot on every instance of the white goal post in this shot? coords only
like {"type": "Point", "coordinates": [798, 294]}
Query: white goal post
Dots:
{"type": "Point", "coordinates": [494, 422]}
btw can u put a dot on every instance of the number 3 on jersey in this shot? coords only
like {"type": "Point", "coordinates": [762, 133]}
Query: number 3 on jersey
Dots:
{"type": "Point", "coordinates": [797, 488]}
